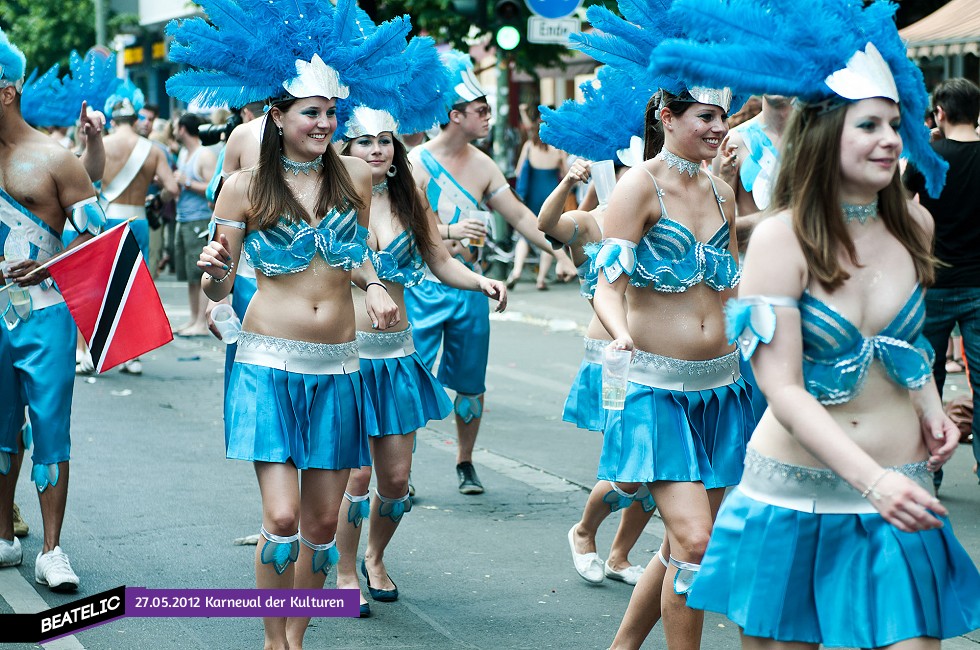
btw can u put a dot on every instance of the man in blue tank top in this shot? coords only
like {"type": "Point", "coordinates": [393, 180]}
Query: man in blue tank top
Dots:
{"type": "Point", "coordinates": [195, 167]}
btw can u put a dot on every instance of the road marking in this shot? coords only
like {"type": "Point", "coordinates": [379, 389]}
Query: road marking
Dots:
{"type": "Point", "coordinates": [24, 599]}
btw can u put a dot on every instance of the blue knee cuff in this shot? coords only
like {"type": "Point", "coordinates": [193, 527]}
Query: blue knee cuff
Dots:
{"type": "Point", "coordinates": [616, 499]}
{"type": "Point", "coordinates": [324, 555]}
{"type": "Point", "coordinates": [394, 509]}
{"type": "Point", "coordinates": [279, 551]}
{"type": "Point", "coordinates": [468, 407]}
{"type": "Point", "coordinates": [685, 576]}
{"type": "Point", "coordinates": [45, 475]}
{"type": "Point", "coordinates": [359, 508]}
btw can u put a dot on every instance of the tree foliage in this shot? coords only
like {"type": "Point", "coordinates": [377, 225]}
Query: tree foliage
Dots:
{"type": "Point", "coordinates": [47, 30]}
{"type": "Point", "coordinates": [441, 20]}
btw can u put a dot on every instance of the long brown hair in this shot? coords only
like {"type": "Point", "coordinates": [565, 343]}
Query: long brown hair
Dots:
{"type": "Point", "coordinates": [406, 204]}
{"type": "Point", "coordinates": [653, 130]}
{"type": "Point", "coordinates": [808, 185]}
{"type": "Point", "coordinates": [270, 195]}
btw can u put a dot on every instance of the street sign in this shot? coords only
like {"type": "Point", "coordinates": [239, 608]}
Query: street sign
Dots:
{"type": "Point", "coordinates": [553, 8]}
{"type": "Point", "coordinates": [544, 30]}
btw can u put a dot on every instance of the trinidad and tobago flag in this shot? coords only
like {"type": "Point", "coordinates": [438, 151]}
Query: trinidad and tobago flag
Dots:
{"type": "Point", "coordinates": [112, 298]}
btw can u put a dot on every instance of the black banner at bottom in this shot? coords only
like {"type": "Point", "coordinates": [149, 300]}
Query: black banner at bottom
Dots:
{"type": "Point", "coordinates": [64, 620]}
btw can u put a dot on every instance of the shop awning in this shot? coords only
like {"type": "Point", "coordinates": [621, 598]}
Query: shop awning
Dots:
{"type": "Point", "coordinates": [950, 30]}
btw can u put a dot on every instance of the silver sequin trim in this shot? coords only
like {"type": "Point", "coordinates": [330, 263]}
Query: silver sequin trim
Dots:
{"type": "Point", "coordinates": [305, 348]}
{"type": "Point", "coordinates": [595, 345]}
{"type": "Point", "coordinates": [387, 338]}
{"type": "Point", "coordinates": [689, 368]}
{"type": "Point", "coordinates": [772, 468]}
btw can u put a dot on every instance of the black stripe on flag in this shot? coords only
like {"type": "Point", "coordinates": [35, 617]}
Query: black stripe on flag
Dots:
{"type": "Point", "coordinates": [122, 275]}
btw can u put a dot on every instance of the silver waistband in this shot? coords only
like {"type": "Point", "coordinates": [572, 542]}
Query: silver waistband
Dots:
{"type": "Point", "coordinates": [594, 349]}
{"type": "Point", "coordinates": [385, 345]}
{"type": "Point", "coordinates": [667, 373]}
{"type": "Point", "coordinates": [122, 211]}
{"type": "Point", "coordinates": [810, 489]}
{"type": "Point", "coordinates": [300, 357]}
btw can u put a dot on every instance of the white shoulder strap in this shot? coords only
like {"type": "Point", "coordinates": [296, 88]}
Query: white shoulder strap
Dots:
{"type": "Point", "coordinates": [133, 165]}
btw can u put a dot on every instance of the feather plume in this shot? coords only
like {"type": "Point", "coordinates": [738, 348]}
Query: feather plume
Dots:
{"type": "Point", "coordinates": [12, 60]}
{"type": "Point", "coordinates": [50, 101]}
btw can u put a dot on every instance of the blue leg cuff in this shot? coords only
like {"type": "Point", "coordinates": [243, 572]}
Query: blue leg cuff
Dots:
{"type": "Point", "coordinates": [27, 435]}
{"type": "Point", "coordinates": [45, 475]}
{"type": "Point", "coordinates": [280, 551]}
{"type": "Point", "coordinates": [324, 555]}
{"type": "Point", "coordinates": [645, 498]}
{"type": "Point", "coordinates": [616, 499]}
{"type": "Point", "coordinates": [684, 578]}
{"type": "Point", "coordinates": [5, 463]}
{"type": "Point", "coordinates": [394, 509]}
{"type": "Point", "coordinates": [468, 407]}
{"type": "Point", "coordinates": [359, 508]}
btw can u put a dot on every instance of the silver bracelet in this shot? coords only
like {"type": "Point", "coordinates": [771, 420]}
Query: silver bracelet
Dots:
{"type": "Point", "coordinates": [874, 483]}
{"type": "Point", "coordinates": [231, 267]}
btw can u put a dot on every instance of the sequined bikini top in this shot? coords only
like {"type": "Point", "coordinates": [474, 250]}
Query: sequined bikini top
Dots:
{"type": "Point", "coordinates": [836, 355]}
{"type": "Point", "coordinates": [400, 261]}
{"type": "Point", "coordinates": [289, 247]}
{"type": "Point", "coordinates": [669, 258]}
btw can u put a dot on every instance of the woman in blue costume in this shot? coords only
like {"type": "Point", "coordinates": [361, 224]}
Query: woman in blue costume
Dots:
{"type": "Point", "coordinates": [540, 167]}
{"type": "Point", "coordinates": [833, 536]}
{"type": "Point", "coordinates": [296, 406]}
{"type": "Point", "coordinates": [600, 127]}
{"type": "Point", "coordinates": [403, 392]}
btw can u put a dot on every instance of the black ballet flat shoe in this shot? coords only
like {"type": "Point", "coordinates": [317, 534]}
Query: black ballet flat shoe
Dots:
{"type": "Point", "coordinates": [380, 595]}
{"type": "Point", "coordinates": [365, 610]}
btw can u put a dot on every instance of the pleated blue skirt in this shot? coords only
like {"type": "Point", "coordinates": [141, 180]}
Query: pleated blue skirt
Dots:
{"type": "Point", "coordinates": [316, 421]}
{"type": "Point", "coordinates": [679, 435]}
{"type": "Point", "coordinates": [841, 580]}
{"type": "Point", "coordinates": [404, 395]}
{"type": "Point", "coordinates": [583, 407]}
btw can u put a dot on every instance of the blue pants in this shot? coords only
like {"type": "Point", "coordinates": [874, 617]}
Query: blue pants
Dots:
{"type": "Point", "coordinates": [944, 309]}
{"type": "Point", "coordinates": [459, 321]}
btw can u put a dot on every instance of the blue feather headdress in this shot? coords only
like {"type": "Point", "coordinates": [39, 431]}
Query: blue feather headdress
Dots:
{"type": "Point", "coordinates": [250, 51]}
{"type": "Point", "coordinates": [417, 104]}
{"type": "Point", "coordinates": [605, 122]}
{"type": "Point", "coordinates": [50, 101]}
{"type": "Point", "coordinates": [466, 87]}
{"type": "Point", "coordinates": [12, 63]}
{"type": "Point", "coordinates": [125, 101]}
{"type": "Point", "coordinates": [786, 47]}
{"type": "Point", "coordinates": [626, 43]}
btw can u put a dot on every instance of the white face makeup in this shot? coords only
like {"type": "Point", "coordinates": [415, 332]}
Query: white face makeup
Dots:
{"type": "Point", "coordinates": [870, 148]}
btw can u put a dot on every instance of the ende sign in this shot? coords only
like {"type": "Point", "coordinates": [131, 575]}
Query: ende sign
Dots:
{"type": "Point", "coordinates": [543, 30]}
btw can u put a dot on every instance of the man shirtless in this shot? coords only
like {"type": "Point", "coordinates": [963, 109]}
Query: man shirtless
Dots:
{"type": "Point", "coordinates": [43, 186]}
{"type": "Point", "coordinates": [457, 178]}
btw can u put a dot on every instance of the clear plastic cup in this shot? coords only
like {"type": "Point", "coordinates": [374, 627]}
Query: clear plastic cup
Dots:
{"type": "Point", "coordinates": [485, 217]}
{"type": "Point", "coordinates": [227, 323]}
{"type": "Point", "coordinates": [615, 376]}
{"type": "Point", "coordinates": [603, 179]}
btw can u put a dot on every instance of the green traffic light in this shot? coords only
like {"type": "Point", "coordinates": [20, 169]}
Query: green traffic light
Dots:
{"type": "Point", "coordinates": [508, 37]}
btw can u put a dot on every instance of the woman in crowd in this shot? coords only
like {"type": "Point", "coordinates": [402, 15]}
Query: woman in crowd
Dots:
{"type": "Point", "coordinates": [833, 536]}
{"type": "Point", "coordinates": [404, 395]}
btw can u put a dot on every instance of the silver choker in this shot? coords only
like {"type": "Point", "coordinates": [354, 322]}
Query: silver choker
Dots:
{"type": "Point", "coordinates": [314, 165]}
{"type": "Point", "coordinates": [860, 213]}
{"type": "Point", "coordinates": [683, 166]}
{"type": "Point", "coordinates": [379, 188]}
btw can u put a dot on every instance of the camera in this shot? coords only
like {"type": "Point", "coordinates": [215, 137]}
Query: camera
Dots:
{"type": "Point", "coordinates": [211, 134]}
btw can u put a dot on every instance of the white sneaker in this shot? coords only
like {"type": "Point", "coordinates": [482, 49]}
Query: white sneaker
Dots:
{"type": "Point", "coordinates": [134, 367]}
{"type": "Point", "coordinates": [53, 570]}
{"type": "Point", "coordinates": [587, 565]}
{"type": "Point", "coordinates": [630, 575]}
{"type": "Point", "coordinates": [11, 554]}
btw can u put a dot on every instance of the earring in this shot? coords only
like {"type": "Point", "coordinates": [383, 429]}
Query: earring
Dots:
{"type": "Point", "coordinates": [280, 130]}
{"type": "Point", "coordinates": [391, 172]}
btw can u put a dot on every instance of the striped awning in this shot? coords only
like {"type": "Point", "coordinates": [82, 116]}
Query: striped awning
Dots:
{"type": "Point", "coordinates": [950, 30]}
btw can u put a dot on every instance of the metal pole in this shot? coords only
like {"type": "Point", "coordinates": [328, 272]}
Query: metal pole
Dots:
{"type": "Point", "coordinates": [100, 22]}
{"type": "Point", "coordinates": [500, 153]}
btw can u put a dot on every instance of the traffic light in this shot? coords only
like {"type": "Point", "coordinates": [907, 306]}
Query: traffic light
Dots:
{"type": "Point", "coordinates": [473, 10]}
{"type": "Point", "coordinates": [509, 23]}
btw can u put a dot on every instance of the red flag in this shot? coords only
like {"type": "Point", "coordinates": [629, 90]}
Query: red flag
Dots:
{"type": "Point", "coordinates": [112, 298]}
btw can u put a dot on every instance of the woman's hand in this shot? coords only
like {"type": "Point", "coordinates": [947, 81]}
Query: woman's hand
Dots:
{"type": "Point", "coordinates": [624, 342]}
{"type": "Point", "coordinates": [728, 164]}
{"type": "Point", "coordinates": [941, 437]}
{"type": "Point", "coordinates": [905, 504]}
{"type": "Point", "coordinates": [381, 309]}
{"type": "Point", "coordinates": [495, 289]}
{"type": "Point", "coordinates": [580, 171]}
{"type": "Point", "coordinates": [215, 256]}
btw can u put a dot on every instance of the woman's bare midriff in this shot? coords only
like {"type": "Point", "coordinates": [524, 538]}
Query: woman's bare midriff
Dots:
{"type": "Point", "coordinates": [688, 325]}
{"type": "Point", "coordinates": [313, 305]}
{"type": "Point", "coordinates": [881, 406]}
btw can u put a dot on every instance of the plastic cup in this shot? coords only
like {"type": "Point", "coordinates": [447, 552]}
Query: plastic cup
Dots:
{"type": "Point", "coordinates": [227, 323]}
{"type": "Point", "coordinates": [615, 375]}
{"type": "Point", "coordinates": [603, 179]}
{"type": "Point", "coordinates": [484, 217]}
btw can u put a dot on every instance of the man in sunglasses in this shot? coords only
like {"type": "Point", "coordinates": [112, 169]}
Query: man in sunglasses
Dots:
{"type": "Point", "coordinates": [458, 179]}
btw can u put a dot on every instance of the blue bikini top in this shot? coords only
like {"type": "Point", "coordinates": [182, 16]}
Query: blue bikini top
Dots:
{"type": "Point", "coordinates": [669, 258]}
{"type": "Point", "coordinates": [400, 261]}
{"type": "Point", "coordinates": [836, 355]}
{"type": "Point", "coordinates": [289, 247]}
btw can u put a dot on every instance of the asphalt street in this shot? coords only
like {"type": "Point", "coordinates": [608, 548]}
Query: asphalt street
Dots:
{"type": "Point", "coordinates": [154, 503]}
